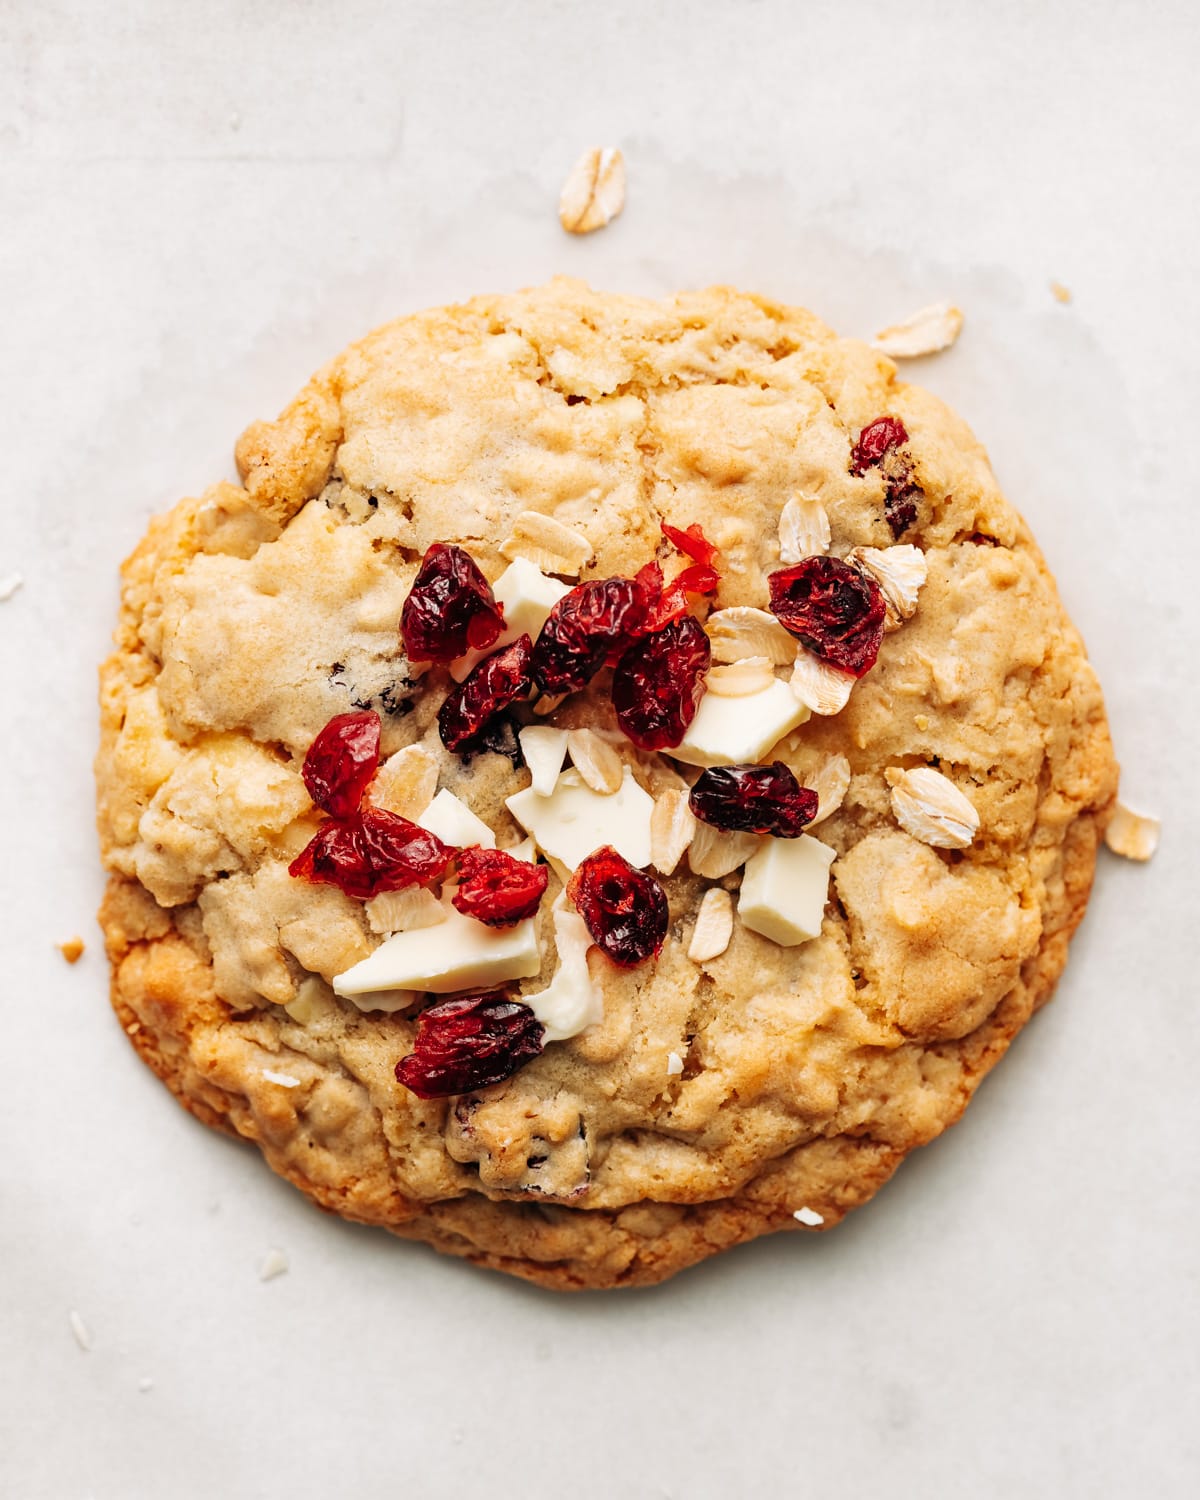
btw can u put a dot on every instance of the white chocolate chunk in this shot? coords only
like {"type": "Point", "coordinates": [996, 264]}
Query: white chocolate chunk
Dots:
{"type": "Point", "coordinates": [741, 630]}
{"type": "Point", "coordinates": [404, 911]}
{"type": "Point", "coordinates": [458, 954]}
{"type": "Point", "coordinates": [803, 530]}
{"type": "Point", "coordinates": [596, 761]}
{"type": "Point", "coordinates": [784, 889]}
{"type": "Point", "coordinates": [923, 332]}
{"type": "Point", "coordinates": [672, 828]}
{"type": "Point", "coordinates": [674, 1064]}
{"type": "Point", "coordinates": [527, 597]}
{"type": "Point", "coordinates": [730, 731]}
{"type": "Point", "coordinates": [931, 808]}
{"type": "Point", "coordinates": [809, 1217]}
{"type": "Point", "coordinates": [574, 821]}
{"type": "Point", "coordinates": [544, 750]}
{"type": "Point", "coordinates": [455, 823]}
{"type": "Point", "coordinates": [572, 1001]}
{"type": "Point", "coordinates": [1132, 835]}
{"type": "Point", "coordinates": [714, 926]}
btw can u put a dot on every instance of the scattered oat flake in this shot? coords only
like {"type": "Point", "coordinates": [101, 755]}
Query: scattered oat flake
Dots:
{"type": "Point", "coordinates": [1059, 292]}
{"type": "Point", "coordinates": [273, 1264]}
{"type": "Point", "coordinates": [714, 926]}
{"type": "Point", "coordinates": [674, 1064]}
{"type": "Point", "coordinates": [133, 1028]}
{"type": "Point", "coordinates": [925, 332]}
{"type": "Point", "coordinates": [71, 949]}
{"type": "Point", "coordinates": [594, 192]}
{"type": "Point", "coordinates": [9, 585]}
{"type": "Point", "coordinates": [284, 1080]}
{"type": "Point", "coordinates": [809, 1216]}
{"type": "Point", "coordinates": [931, 808]}
{"type": "Point", "coordinates": [1132, 835]}
{"type": "Point", "coordinates": [83, 1334]}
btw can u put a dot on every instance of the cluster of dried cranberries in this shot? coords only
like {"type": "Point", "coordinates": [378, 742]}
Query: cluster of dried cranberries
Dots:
{"type": "Point", "coordinates": [365, 851]}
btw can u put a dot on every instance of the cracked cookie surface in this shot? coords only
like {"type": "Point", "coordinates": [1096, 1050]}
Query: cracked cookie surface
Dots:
{"type": "Point", "coordinates": [255, 613]}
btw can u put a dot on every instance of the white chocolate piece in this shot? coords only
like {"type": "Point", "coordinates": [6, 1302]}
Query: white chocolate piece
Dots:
{"type": "Point", "coordinates": [784, 889]}
{"type": "Point", "coordinates": [527, 596]}
{"type": "Point", "coordinates": [734, 731]}
{"type": "Point", "coordinates": [455, 823]}
{"type": "Point", "coordinates": [574, 821]}
{"type": "Point", "coordinates": [458, 954]}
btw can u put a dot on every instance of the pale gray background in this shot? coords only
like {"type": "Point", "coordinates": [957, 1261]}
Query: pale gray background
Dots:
{"type": "Point", "coordinates": [199, 204]}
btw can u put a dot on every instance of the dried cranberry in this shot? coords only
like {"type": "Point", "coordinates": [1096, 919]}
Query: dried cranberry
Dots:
{"type": "Point", "coordinates": [623, 909]}
{"type": "Point", "coordinates": [876, 446]}
{"type": "Point", "coordinates": [496, 682]}
{"type": "Point", "coordinates": [469, 1042]}
{"type": "Point", "coordinates": [588, 625]}
{"type": "Point", "coordinates": [341, 761]}
{"type": "Point", "coordinates": [371, 852]}
{"type": "Point", "coordinates": [496, 888]}
{"type": "Point", "coordinates": [754, 799]}
{"type": "Point", "coordinates": [834, 609]}
{"type": "Point", "coordinates": [876, 439]}
{"type": "Point", "coordinates": [450, 608]}
{"type": "Point", "coordinates": [658, 684]}
{"type": "Point", "coordinates": [692, 542]}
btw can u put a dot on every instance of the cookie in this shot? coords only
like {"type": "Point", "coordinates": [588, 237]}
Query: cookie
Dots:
{"type": "Point", "coordinates": [818, 964]}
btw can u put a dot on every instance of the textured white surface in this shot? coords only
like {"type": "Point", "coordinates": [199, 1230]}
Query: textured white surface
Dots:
{"type": "Point", "coordinates": [199, 204]}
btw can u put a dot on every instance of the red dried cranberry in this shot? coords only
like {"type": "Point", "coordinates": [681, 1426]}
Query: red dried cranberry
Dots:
{"type": "Point", "coordinates": [658, 684]}
{"type": "Point", "coordinates": [469, 1042]}
{"type": "Point", "coordinates": [496, 888]}
{"type": "Point", "coordinates": [341, 761]}
{"type": "Point", "coordinates": [371, 852]}
{"type": "Point", "coordinates": [450, 608]}
{"type": "Point", "coordinates": [876, 439]}
{"type": "Point", "coordinates": [588, 625]}
{"type": "Point", "coordinates": [834, 609]}
{"type": "Point", "coordinates": [496, 682]}
{"type": "Point", "coordinates": [754, 799]}
{"type": "Point", "coordinates": [672, 602]}
{"type": "Point", "coordinates": [692, 542]}
{"type": "Point", "coordinates": [876, 446]}
{"type": "Point", "coordinates": [623, 909]}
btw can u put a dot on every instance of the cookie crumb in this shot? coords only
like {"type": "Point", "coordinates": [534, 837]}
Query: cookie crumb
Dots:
{"type": "Point", "coordinates": [284, 1080]}
{"type": "Point", "coordinates": [273, 1264]}
{"type": "Point", "coordinates": [83, 1334]}
{"type": "Point", "coordinates": [1059, 292]}
{"type": "Point", "coordinates": [72, 949]}
{"type": "Point", "coordinates": [674, 1064]}
{"type": "Point", "coordinates": [594, 191]}
{"type": "Point", "coordinates": [809, 1216]}
{"type": "Point", "coordinates": [9, 585]}
{"type": "Point", "coordinates": [1132, 835]}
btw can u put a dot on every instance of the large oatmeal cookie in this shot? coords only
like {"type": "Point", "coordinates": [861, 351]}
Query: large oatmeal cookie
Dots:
{"type": "Point", "coordinates": [255, 613]}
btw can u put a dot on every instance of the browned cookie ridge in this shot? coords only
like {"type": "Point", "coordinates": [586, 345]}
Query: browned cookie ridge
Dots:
{"type": "Point", "coordinates": [717, 1095]}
